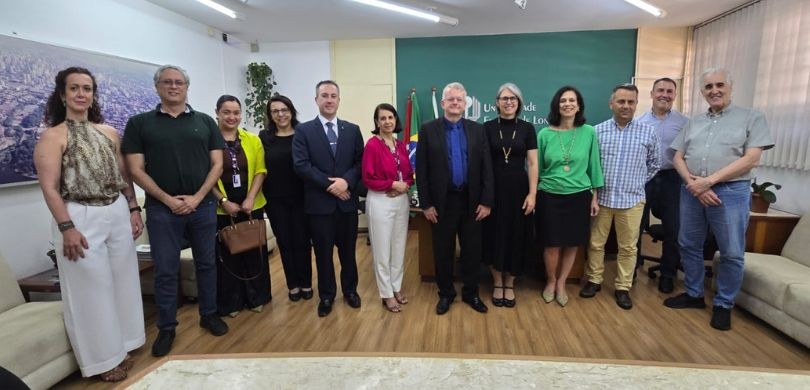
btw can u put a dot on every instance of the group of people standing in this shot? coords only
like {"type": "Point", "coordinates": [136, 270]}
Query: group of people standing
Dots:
{"type": "Point", "coordinates": [499, 188]}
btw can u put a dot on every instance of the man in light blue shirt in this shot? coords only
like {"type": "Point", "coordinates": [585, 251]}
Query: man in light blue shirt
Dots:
{"type": "Point", "coordinates": [663, 190]}
{"type": "Point", "coordinates": [630, 153]}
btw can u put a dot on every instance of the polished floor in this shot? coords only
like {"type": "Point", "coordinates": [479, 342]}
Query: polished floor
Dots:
{"type": "Point", "coordinates": [585, 329]}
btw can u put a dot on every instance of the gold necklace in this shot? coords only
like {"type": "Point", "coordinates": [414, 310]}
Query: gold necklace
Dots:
{"type": "Point", "coordinates": [567, 155]}
{"type": "Point", "coordinates": [506, 152]}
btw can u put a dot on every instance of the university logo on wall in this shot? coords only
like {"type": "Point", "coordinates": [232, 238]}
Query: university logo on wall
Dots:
{"type": "Point", "coordinates": [472, 111]}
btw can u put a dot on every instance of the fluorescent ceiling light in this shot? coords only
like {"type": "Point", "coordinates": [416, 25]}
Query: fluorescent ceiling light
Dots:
{"type": "Point", "coordinates": [655, 11]}
{"type": "Point", "coordinates": [221, 8]}
{"type": "Point", "coordinates": [433, 17]}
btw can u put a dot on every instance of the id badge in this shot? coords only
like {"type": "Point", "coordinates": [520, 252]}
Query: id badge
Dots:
{"type": "Point", "coordinates": [237, 181]}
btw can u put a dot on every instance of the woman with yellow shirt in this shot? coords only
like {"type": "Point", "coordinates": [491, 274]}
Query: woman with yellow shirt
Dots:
{"type": "Point", "coordinates": [243, 279]}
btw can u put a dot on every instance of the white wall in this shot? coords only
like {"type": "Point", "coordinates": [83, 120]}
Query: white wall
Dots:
{"type": "Point", "coordinates": [298, 67]}
{"type": "Point", "coordinates": [133, 29]}
{"type": "Point", "coordinates": [793, 197]}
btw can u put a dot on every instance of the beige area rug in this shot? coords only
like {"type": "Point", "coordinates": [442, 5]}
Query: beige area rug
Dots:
{"type": "Point", "coordinates": [432, 371]}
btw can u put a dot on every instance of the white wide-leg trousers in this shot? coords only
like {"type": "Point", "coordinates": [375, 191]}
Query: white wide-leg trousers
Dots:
{"type": "Point", "coordinates": [101, 293]}
{"type": "Point", "coordinates": [388, 230]}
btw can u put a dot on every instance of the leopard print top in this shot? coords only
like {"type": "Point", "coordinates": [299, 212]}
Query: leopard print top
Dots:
{"type": "Point", "coordinates": [90, 173]}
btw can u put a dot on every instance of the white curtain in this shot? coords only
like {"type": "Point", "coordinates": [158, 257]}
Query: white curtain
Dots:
{"type": "Point", "coordinates": [766, 46]}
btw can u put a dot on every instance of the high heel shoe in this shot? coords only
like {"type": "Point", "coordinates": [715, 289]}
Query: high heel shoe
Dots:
{"type": "Point", "coordinates": [547, 296]}
{"type": "Point", "coordinates": [400, 298]}
{"type": "Point", "coordinates": [392, 309]}
{"type": "Point", "coordinates": [497, 301]}
{"type": "Point", "coordinates": [127, 363]}
{"type": "Point", "coordinates": [508, 302]}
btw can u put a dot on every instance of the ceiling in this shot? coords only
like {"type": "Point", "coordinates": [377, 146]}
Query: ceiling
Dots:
{"type": "Point", "coordinates": [314, 20]}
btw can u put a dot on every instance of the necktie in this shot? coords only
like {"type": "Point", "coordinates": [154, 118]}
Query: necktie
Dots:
{"type": "Point", "coordinates": [332, 136]}
{"type": "Point", "coordinates": [456, 156]}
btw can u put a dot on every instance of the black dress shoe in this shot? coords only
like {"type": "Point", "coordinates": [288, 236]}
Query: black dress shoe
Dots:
{"type": "Point", "coordinates": [590, 289]}
{"type": "Point", "coordinates": [684, 301]}
{"type": "Point", "coordinates": [324, 307]}
{"type": "Point", "coordinates": [623, 299]}
{"type": "Point", "coordinates": [295, 296]}
{"type": "Point", "coordinates": [666, 284]}
{"type": "Point", "coordinates": [214, 324]}
{"type": "Point", "coordinates": [306, 294]}
{"type": "Point", "coordinates": [476, 303]}
{"type": "Point", "coordinates": [163, 343]}
{"type": "Point", "coordinates": [444, 305]}
{"type": "Point", "coordinates": [721, 318]}
{"type": "Point", "coordinates": [352, 299]}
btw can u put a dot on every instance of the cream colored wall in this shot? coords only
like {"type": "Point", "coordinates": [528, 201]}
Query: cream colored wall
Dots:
{"type": "Point", "coordinates": [660, 52]}
{"type": "Point", "coordinates": [366, 72]}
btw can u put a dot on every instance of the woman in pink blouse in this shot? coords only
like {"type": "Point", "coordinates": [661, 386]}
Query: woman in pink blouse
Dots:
{"type": "Point", "coordinates": [388, 174]}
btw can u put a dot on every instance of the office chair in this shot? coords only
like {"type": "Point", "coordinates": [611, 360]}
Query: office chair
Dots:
{"type": "Point", "coordinates": [656, 233]}
{"type": "Point", "coordinates": [362, 193]}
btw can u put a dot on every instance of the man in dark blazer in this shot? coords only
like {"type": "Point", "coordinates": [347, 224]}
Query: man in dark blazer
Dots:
{"type": "Point", "coordinates": [455, 181]}
{"type": "Point", "coordinates": [327, 153]}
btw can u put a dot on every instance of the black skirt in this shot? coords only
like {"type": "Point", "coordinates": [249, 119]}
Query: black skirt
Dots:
{"type": "Point", "coordinates": [563, 220]}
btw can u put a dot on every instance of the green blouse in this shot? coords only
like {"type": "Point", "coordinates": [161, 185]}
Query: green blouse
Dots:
{"type": "Point", "coordinates": [581, 147]}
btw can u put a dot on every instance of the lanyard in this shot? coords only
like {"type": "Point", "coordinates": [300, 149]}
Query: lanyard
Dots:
{"type": "Point", "coordinates": [395, 154]}
{"type": "Point", "coordinates": [233, 152]}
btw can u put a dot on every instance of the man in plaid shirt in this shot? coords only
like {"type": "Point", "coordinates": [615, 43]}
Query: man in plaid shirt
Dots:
{"type": "Point", "coordinates": [631, 155]}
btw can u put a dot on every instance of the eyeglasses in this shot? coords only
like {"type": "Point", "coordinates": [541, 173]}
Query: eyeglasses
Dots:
{"type": "Point", "coordinates": [169, 83]}
{"type": "Point", "coordinates": [282, 111]}
{"type": "Point", "coordinates": [508, 99]}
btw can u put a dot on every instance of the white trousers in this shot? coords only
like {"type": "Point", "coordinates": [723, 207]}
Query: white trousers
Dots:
{"type": "Point", "coordinates": [101, 293]}
{"type": "Point", "coordinates": [388, 230]}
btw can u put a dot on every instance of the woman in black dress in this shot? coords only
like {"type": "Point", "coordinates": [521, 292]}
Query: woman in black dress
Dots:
{"type": "Point", "coordinates": [285, 197]}
{"type": "Point", "coordinates": [243, 279]}
{"type": "Point", "coordinates": [508, 231]}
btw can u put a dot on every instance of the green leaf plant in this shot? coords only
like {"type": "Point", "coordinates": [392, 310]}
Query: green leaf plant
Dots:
{"type": "Point", "coordinates": [762, 190]}
{"type": "Point", "coordinates": [260, 82]}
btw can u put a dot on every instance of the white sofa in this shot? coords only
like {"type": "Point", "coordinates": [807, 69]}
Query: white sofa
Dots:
{"type": "Point", "coordinates": [33, 341]}
{"type": "Point", "coordinates": [776, 288]}
{"type": "Point", "coordinates": [188, 278]}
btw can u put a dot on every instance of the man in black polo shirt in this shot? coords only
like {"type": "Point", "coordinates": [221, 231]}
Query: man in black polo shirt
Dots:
{"type": "Point", "coordinates": [175, 154]}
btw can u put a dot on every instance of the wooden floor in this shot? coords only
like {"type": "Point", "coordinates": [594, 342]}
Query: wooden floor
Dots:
{"type": "Point", "coordinates": [586, 328]}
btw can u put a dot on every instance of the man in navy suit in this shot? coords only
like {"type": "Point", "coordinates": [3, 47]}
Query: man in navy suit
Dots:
{"type": "Point", "coordinates": [327, 153]}
{"type": "Point", "coordinates": [455, 180]}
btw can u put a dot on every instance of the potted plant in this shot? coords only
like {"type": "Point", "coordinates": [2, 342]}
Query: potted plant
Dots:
{"type": "Point", "coordinates": [260, 83]}
{"type": "Point", "coordinates": [761, 196]}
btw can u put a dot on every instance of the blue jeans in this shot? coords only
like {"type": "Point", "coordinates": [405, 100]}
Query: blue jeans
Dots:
{"type": "Point", "coordinates": [167, 233]}
{"type": "Point", "coordinates": [728, 222]}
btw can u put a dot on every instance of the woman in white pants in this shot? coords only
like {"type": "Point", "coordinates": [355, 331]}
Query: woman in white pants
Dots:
{"type": "Point", "coordinates": [81, 174]}
{"type": "Point", "coordinates": [388, 175]}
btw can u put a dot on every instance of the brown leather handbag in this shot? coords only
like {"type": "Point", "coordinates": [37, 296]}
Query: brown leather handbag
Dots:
{"type": "Point", "coordinates": [243, 236]}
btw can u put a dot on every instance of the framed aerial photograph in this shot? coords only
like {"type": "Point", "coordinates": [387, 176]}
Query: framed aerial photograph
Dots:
{"type": "Point", "coordinates": [27, 72]}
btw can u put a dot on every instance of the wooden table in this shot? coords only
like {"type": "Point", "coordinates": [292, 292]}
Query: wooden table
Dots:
{"type": "Point", "coordinates": [48, 281]}
{"type": "Point", "coordinates": [768, 232]}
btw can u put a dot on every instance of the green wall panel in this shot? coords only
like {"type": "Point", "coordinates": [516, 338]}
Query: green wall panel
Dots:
{"type": "Point", "coordinates": [592, 61]}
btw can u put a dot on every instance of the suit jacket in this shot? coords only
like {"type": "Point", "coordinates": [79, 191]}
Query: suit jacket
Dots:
{"type": "Point", "coordinates": [433, 177]}
{"type": "Point", "coordinates": [314, 163]}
